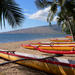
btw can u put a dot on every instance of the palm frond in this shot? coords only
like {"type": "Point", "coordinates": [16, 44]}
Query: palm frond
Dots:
{"type": "Point", "coordinates": [52, 13]}
{"type": "Point", "coordinates": [43, 3]}
{"type": "Point", "coordinates": [12, 12]}
{"type": "Point", "coordinates": [61, 2]}
{"type": "Point", "coordinates": [54, 8]}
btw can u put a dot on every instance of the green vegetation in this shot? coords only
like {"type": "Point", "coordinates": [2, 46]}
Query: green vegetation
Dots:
{"type": "Point", "coordinates": [66, 14]}
{"type": "Point", "coordinates": [10, 11]}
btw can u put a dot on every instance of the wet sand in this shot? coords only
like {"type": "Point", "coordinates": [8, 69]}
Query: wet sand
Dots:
{"type": "Point", "coordinates": [15, 69]}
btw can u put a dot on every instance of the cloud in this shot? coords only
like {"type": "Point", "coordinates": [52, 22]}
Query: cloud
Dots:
{"type": "Point", "coordinates": [39, 15]}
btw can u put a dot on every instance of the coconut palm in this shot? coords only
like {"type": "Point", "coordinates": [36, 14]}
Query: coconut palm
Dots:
{"type": "Point", "coordinates": [10, 11]}
{"type": "Point", "coordinates": [67, 16]}
{"type": "Point", "coordinates": [67, 11]}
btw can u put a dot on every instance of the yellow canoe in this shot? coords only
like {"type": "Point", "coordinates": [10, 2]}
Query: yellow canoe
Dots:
{"type": "Point", "coordinates": [56, 66]}
{"type": "Point", "coordinates": [61, 40]}
{"type": "Point", "coordinates": [53, 43]}
{"type": "Point", "coordinates": [50, 47]}
{"type": "Point", "coordinates": [60, 48]}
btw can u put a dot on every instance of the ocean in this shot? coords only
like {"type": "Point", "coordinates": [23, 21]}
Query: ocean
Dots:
{"type": "Point", "coordinates": [5, 38]}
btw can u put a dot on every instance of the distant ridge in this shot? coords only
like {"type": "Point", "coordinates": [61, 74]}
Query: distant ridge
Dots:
{"type": "Point", "coordinates": [40, 29]}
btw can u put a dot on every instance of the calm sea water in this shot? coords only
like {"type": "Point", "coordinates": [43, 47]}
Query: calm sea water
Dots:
{"type": "Point", "coordinates": [4, 38]}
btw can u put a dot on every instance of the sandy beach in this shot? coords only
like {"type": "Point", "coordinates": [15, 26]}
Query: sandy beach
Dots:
{"type": "Point", "coordinates": [15, 69]}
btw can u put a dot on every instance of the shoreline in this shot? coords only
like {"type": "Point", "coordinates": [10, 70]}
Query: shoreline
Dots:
{"type": "Point", "coordinates": [34, 39]}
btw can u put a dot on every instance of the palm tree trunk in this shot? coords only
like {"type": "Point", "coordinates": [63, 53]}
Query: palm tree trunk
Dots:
{"type": "Point", "coordinates": [74, 36]}
{"type": "Point", "coordinates": [70, 27]}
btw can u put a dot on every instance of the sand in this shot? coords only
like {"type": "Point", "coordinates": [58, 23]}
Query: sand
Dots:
{"type": "Point", "coordinates": [15, 69]}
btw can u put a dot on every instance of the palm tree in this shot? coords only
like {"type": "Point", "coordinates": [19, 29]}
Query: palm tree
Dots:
{"type": "Point", "coordinates": [67, 16]}
{"type": "Point", "coordinates": [10, 11]}
{"type": "Point", "coordinates": [67, 10]}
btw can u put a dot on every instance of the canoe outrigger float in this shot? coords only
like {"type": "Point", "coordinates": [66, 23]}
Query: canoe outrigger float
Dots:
{"type": "Point", "coordinates": [51, 47]}
{"type": "Point", "coordinates": [54, 65]}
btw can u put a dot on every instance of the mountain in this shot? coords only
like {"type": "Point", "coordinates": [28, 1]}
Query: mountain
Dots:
{"type": "Point", "coordinates": [40, 29]}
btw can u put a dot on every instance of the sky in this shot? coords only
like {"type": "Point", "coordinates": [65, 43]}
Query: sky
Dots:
{"type": "Point", "coordinates": [33, 16]}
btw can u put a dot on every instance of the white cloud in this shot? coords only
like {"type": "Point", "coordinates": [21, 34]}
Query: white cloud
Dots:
{"type": "Point", "coordinates": [39, 15]}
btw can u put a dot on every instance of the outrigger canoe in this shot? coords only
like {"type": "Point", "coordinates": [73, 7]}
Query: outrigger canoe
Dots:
{"type": "Point", "coordinates": [61, 40]}
{"type": "Point", "coordinates": [56, 52]}
{"type": "Point", "coordinates": [52, 65]}
{"type": "Point", "coordinates": [51, 47]}
{"type": "Point", "coordinates": [53, 43]}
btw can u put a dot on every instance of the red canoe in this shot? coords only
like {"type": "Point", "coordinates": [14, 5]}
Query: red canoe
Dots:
{"type": "Point", "coordinates": [50, 47]}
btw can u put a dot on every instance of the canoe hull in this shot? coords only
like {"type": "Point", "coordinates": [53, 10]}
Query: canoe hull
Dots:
{"type": "Point", "coordinates": [43, 66]}
{"type": "Point", "coordinates": [57, 48]}
{"type": "Point", "coordinates": [57, 40]}
{"type": "Point", "coordinates": [53, 43]}
{"type": "Point", "coordinates": [51, 47]}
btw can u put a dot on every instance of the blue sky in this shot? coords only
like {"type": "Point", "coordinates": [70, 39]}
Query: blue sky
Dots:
{"type": "Point", "coordinates": [33, 16]}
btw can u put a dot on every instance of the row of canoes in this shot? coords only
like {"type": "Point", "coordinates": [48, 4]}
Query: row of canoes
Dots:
{"type": "Point", "coordinates": [56, 66]}
{"type": "Point", "coordinates": [53, 47]}
{"type": "Point", "coordinates": [62, 49]}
